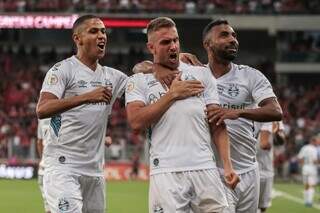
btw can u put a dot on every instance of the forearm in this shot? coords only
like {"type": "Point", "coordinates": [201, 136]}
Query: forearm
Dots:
{"type": "Point", "coordinates": [262, 114]}
{"type": "Point", "coordinates": [142, 117]}
{"type": "Point", "coordinates": [49, 108]}
{"type": "Point", "coordinates": [221, 141]}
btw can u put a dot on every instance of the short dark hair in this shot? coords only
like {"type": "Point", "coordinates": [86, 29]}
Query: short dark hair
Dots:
{"type": "Point", "coordinates": [81, 20]}
{"type": "Point", "coordinates": [158, 23]}
{"type": "Point", "coordinates": [209, 26]}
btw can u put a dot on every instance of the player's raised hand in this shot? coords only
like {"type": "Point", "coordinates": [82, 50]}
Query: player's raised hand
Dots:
{"type": "Point", "coordinates": [100, 94]}
{"type": "Point", "coordinates": [218, 114]}
{"type": "Point", "coordinates": [190, 59]}
{"type": "Point", "coordinates": [184, 89]}
{"type": "Point", "coordinates": [231, 178]}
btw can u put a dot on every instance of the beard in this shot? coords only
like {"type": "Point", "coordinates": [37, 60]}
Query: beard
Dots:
{"type": "Point", "coordinates": [224, 54]}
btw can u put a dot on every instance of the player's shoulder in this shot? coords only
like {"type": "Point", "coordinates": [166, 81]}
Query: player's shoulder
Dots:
{"type": "Point", "coordinates": [245, 69]}
{"type": "Point", "coordinates": [114, 73]}
{"type": "Point", "coordinates": [63, 66]}
{"type": "Point", "coordinates": [188, 67]}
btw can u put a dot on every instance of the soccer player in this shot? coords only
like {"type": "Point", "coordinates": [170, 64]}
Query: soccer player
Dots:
{"type": "Point", "coordinates": [43, 130]}
{"type": "Point", "coordinates": [266, 134]}
{"type": "Point", "coordinates": [308, 156]}
{"type": "Point", "coordinates": [78, 94]}
{"type": "Point", "coordinates": [183, 176]}
{"type": "Point", "coordinates": [240, 89]}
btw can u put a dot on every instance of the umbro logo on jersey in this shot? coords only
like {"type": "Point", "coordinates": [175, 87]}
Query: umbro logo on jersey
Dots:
{"type": "Point", "coordinates": [82, 84]}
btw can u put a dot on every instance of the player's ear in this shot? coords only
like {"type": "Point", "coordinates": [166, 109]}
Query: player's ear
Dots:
{"type": "Point", "coordinates": [150, 47]}
{"type": "Point", "coordinates": [205, 44]}
{"type": "Point", "coordinates": [76, 38]}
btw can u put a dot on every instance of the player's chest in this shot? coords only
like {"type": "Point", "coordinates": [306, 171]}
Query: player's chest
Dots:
{"type": "Point", "coordinates": [233, 92]}
{"type": "Point", "coordinates": [84, 82]}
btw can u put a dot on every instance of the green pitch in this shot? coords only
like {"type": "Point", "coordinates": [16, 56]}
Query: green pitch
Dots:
{"type": "Point", "coordinates": [123, 197]}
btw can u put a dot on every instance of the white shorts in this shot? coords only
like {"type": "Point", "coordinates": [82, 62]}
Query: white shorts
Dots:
{"type": "Point", "coordinates": [68, 193]}
{"type": "Point", "coordinates": [311, 180]}
{"type": "Point", "coordinates": [244, 198]}
{"type": "Point", "coordinates": [45, 203]}
{"type": "Point", "coordinates": [187, 192]}
{"type": "Point", "coordinates": [265, 192]}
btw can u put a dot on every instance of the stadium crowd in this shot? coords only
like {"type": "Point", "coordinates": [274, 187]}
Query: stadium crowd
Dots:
{"type": "Point", "coordinates": [159, 6]}
{"type": "Point", "coordinates": [21, 83]}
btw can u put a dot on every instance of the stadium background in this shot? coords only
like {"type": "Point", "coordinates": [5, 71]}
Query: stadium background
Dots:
{"type": "Point", "coordinates": [279, 37]}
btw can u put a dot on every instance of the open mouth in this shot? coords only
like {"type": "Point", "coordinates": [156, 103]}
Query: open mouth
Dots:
{"type": "Point", "coordinates": [173, 57]}
{"type": "Point", "coordinates": [101, 45]}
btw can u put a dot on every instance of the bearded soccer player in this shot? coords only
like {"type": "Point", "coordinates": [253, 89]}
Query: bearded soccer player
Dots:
{"type": "Point", "coordinates": [183, 176]}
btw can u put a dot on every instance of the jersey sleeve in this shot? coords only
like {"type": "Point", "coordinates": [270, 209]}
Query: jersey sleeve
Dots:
{"type": "Point", "coordinates": [210, 91]}
{"type": "Point", "coordinates": [136, 89]}
{"type": "Point", "coordinates": [301, 153]}
{"type": "Point", "coordinates": [120, 84]}
{"type": "Point", "coordinates": [56, 80]}
{"type": "Point", "coordinates": [260, 87]}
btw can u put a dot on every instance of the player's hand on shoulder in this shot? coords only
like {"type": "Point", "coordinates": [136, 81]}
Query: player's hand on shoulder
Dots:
{"type": "Point", "coordinates": [189, 58]}
{"type": "Point", "coordinates": [100, 94]}
{"type": "Point", "coordinates": [184, 89]}
{"type": "Point", "coordinates": [143, 67]}
{"type": "Point", "coordinates": [218, 114]}
{"type": "Point", "coordinates": [231, 178]}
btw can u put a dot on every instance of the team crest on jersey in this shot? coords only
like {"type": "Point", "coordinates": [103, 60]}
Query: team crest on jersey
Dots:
{"type": "Point", "coordinates": [52, 79]}
{"type": "Point", "coordinates": [82, 84]}
{"type": "Point", "coordinates": [158, 209]}
{"type": "Point", "coordinates": [108, 83]}
{"type": "Point", "coordinates": [233, 90]}
{"type": "Point", "coordinates": [152, 98]}
{"type": "Point", "coordinates": [64, 204]}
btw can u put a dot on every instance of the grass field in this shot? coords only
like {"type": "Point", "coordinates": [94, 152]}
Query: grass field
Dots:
{"type": "Point", "coordinates": [131, 197]}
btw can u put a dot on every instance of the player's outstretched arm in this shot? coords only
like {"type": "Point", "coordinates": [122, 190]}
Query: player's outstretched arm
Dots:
{"type": "Point", "coordinates": [221, 141]}
{"type": "Point", "coordinates": [49, 104]}
{"type": "Point", "coordinates": [269, 110]}
{"type": "Point", "coordinates": [141, 116]}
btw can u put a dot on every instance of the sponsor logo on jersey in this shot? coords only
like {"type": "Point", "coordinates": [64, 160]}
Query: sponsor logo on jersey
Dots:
{"type": "Point", "coordinates": [233, 90]}
{"type": "Point", "coordinates": [82, 84]}
{"type": "Point", "coordinates": [233, 106]}
{"type": "Point", "coordinates": [95, 83]}
{"type": "Point", "coordinates": [52, 79]}
{"type": "Point", "coordinates": [158, 209]}
{"type": "Point", "coordinates": [63, 204]}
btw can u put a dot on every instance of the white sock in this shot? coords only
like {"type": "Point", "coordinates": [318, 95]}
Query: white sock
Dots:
{"type": "Point", "coordinates": [311, 193]}
{"type": "Point", "coordinates": [306, 195]}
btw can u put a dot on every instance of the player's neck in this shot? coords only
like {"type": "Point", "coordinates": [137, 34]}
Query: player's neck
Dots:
{"type": "Point", "coordinates": [92, 63]}
{"type": "Point", "coordinates": [219, 68]}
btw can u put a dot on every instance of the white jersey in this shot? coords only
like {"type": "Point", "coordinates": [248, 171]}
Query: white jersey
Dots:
{"type": "Point", "coordinates": [180, 140]}
{"type": "Point", "coordinates": [76, 142]}
{"type": "Point", "coordinates": [42, 133]}
{"type": "Point", "coordinates": [309, 155]}
{"type": "Point", "coordinates": [242, 88]}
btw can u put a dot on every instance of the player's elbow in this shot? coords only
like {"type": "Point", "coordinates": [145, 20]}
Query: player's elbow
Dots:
{"type": "Point", "coordinates": [278, 115]}
{"type": "Point", "coordinates": [41, 113]}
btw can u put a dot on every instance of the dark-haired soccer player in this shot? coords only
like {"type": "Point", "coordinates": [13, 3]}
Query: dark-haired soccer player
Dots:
{"type": "Point", "coordinates": [78, 94]}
